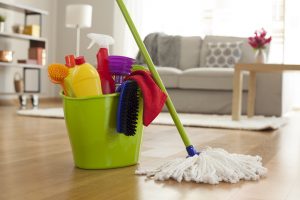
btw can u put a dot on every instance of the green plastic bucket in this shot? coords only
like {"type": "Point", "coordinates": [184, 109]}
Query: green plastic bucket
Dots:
{"type": "Point", "coordinates": [91, 124]}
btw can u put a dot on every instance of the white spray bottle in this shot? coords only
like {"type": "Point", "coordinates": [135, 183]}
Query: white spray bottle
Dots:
{"type": "Point", "coordinates": [107, 82]}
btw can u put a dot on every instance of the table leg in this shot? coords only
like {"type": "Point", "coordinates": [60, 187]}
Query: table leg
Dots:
{"type": "Point", "coordinates": [251, 94]}
{"type": "Point", "coordinates": [237, 94]}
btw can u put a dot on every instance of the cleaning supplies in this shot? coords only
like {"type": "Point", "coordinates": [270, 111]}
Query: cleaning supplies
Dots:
{"type": "Point", "coordinates": [120, 67]}
{"type": "Point", "coordinates": [208, 166]}
{"type": "Point", "coordinates": [57, 73]}
{"type": "Point", "coordinates": [70, 63]}
{"type": "Point", "coordinates": [85, 81]}
{"type": "Point", "coordinates": [107, 83]}
{"type": "Point", "coordinates": [128, 108]}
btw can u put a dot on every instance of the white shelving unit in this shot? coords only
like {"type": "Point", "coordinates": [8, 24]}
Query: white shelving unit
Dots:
{"type": "Point", "coordinates": [4, 64]}
{"type": "Point", "coordinates": [33, 41]}
{"type": "Point", "coordinates": [22, 37]}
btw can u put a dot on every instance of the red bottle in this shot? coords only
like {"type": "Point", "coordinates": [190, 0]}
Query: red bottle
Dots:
{"type": "Point", "coordinates": [107, 82]}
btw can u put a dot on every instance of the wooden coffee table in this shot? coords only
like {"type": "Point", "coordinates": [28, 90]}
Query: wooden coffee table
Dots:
{"type": "Point", "coordinates": [238, 84]}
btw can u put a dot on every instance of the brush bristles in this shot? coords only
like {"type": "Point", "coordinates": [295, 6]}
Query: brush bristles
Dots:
{"type": "Point", "coordinates": [129, 115]}
{"type": "Point", "coordinates": [58, 72]}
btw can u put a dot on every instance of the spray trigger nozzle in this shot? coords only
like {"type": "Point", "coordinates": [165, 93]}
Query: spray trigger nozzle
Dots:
{"type": "Point", "coordinates": [102, 40]}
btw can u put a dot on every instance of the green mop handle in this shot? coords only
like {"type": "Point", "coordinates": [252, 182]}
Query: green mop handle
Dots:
{"type": "Point", "coordinates": [154, 72]}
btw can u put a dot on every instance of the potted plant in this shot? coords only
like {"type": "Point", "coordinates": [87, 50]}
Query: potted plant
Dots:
{"type": "Point", "coordinates": [2, 23]}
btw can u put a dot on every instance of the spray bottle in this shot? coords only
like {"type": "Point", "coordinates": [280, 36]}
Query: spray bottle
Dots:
{"type": "Point", "coordinates": [107, 82]}
{"type": "Point", "coordinates": [85, 80]}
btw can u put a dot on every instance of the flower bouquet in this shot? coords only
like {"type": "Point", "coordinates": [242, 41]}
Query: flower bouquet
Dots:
{"type": "Point", "coordinates": [259, 43]}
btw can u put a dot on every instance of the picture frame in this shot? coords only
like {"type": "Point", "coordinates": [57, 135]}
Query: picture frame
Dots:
{"type": "Point", "coordinates": [32, 80]}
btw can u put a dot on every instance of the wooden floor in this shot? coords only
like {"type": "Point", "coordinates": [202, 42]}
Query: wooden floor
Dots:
{"type": "Point", "coordinates": [36, 163]}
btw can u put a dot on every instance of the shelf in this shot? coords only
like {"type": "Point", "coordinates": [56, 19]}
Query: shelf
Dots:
{"type": "Point", "coordinates": [34, 42]}
{"type": "Point", "coordinates": [17, 93]}
{"type": "Point", "coordinates": [23, 36]}
{"type": "Point", "coordinates": [21, 8]}
{"type": "Point", "coordinates": [4, 64]}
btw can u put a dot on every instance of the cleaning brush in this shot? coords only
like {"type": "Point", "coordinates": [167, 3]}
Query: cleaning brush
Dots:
{"type": "Point", "coordinates": [128, 107]}
{"type": "Point", "coordinates": [57, 73]}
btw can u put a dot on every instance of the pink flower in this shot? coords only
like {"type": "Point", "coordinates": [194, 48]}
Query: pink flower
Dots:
{"type": "Point", "coordinates": [263, 33]}
{"type": "Point", "coordinates": [259, 41]}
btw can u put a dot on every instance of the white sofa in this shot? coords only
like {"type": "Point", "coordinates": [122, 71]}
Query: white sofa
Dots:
{"type": "Point", "coordinates": [194, 88]}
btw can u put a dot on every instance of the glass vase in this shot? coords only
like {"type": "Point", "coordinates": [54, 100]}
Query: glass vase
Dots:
{"type": "Point", "coordinates": [260, 56]}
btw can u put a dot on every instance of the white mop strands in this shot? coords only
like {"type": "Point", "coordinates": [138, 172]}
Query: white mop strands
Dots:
{"type": "Point", "coordinates": [212, 166]}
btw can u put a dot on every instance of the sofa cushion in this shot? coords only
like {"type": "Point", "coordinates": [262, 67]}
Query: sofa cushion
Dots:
{"type": "Point", "coordinates": [169, 76]}
{"type": "Point", "coordinates": [247, 51]}
{"type": "Point", "coordinates": [189, 52]}
{"type": "Point", "coordinates": [168, 50]}
{"type": "Point", "coordinates": [209, 79]}
{"type": "Point", "coordinates": [223, 54]}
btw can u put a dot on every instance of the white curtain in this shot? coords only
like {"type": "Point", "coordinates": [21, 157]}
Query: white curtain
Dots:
{"type": "Point", "coordinates": [124, 42]}
{"type": "Point", "coordinates": [202, 17]}
{"type": "Point", "coordinates": [291, 52]}
{"type": "Point", "coordinates": [208, 17]}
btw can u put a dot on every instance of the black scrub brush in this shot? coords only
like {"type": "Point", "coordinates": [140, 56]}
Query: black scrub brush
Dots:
{"type": "Point", "coordinates": [128, 108]}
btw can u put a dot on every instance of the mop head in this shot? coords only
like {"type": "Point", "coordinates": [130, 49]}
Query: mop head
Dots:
{"type": "Point", "coordinates": [212, 166]}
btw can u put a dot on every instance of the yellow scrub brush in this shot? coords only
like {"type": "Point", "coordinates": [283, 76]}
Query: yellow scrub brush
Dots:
{"type": "Point", "coordinates": [57, 73]}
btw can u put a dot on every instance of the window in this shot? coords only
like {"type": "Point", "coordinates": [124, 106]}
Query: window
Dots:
{"type": "Point", "coordinates": [209, 17]}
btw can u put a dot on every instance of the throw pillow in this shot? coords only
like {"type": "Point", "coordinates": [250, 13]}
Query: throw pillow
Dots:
{"type": "Point", "coordinates": [189, 52]}
{"type": "Point", "coordinates": [223, 54]}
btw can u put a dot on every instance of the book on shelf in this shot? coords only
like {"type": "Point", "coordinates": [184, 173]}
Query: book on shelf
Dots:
{"type": "Point", "coordinates": [38, 54]}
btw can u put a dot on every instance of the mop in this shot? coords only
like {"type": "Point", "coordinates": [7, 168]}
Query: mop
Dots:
{"type": "Point", "coordinates": [210, 165]}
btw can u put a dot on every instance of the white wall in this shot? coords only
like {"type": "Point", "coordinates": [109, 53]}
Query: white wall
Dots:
{"type": "Point", "coordinates": [66, 37]}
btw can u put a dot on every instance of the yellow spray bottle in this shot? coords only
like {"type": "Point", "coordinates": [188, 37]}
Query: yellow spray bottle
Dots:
{"type": "Point", "coordinates": [85, 81]}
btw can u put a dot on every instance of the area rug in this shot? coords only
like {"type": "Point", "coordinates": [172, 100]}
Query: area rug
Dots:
{"type": "Point", "coordinates": [195, 120]}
